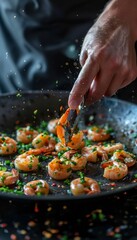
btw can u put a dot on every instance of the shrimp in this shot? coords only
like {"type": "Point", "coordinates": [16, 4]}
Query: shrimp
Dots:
{"type": "Point", "coordinates": [59, 147]}
{"type": "Point", "coordinates": [92, 153]}
{"type": "Point", "coordinates": [85, 186]}
{"type": "Point", "coordinates": [110, 148]}
{"type": "Point", "coordinates": [44, 140]}
{"type": "Point", "coordinates": [78, 162]}
{"type": "Point", "coordinates": [125, 157]}
{"type": "Point", "coordinates": [8, 178]}
{"type": "Point", "coordinates": [76, 141]}
{"type": "Point", "coordinates": [52, 125]}
{"type": "Point", "coordinates": [98, 134]}
{"type": "Point", "coordinates": [26, 134]}
{"type": "Point", "coordinates": [7, 145]}
{"type": "Point", "coordinates": [27, 162]}
{"type": "Point", "coordinates": [58, 169]}
{"type": "Point", "coordinates": [36, 187]}
{"type": "Point", "coordinates": [115, 170]}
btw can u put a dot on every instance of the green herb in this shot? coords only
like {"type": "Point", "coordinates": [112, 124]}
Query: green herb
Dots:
{"type": "Point", "coordinates": [35, 112]}
{"type": "Point", "coordinates": [7, 162]}
{"type": "Point", "coordinates": [67, 182]}
{"type": "Point", "coordinates": [82, 177]}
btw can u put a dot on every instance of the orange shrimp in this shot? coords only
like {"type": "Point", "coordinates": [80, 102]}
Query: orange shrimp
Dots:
{"type": "Point", "coordinates": [60, 127]}
{"type": "Point", "coordinates": [88, 186]}
{"type": "Point", "coordinates": [58, 169]}
{"type": "Point", "coordinates": [7, 145]}
{"type": "Point", "coordinates": [8, 178]}
{"type": "Point", "coordinates": [26, 134]}
{"type": "Point", "coordinates": [76, 141]}
{"type": "Point", "coordinates": [126, 157]}
{"type": "Point", "coordinates": [36, 187]}
{"type": "Point", "coordinates": [52, 125]}
{"type": "Point", "coordinates": [98, 134]}
{"type": "Point", "coordinates": [114, 170]}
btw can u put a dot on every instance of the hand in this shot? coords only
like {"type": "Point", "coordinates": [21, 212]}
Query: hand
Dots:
{"type": "Point", "coordinates": [108, 56]}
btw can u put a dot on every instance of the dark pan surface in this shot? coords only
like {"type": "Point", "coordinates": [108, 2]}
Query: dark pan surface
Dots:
{"type": "Point", "coordinates": [120, 115]}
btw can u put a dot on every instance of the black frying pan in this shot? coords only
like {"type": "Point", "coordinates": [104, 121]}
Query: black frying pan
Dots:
{"type": "Point", "coordinates": [120, 115]}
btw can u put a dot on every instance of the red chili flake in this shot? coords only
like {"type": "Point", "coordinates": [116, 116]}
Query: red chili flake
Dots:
{"type": "Point", "coordinates": [53, 184]}
{"type": "Point", "coordinates": [17, 122]}
{"type": "Point", "coordinates": [110, 234]}
{"type": "Point", "coordinates": [13, 237]}
{"type": "Point", "coordinates": [27, 237]}
{"type": "Point", "coordinates": [117, 229]}
{"type": "Point", "coordinates": [36, 208]}
{"type": "Point", "coordinates": [3, 225]}
{"type": "Point", "coordinates": [113, 184]}
{"type": "Point", "coordinates": [101, 115]}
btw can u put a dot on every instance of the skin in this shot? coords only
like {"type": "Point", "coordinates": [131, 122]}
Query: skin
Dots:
{"type": "Point", "coordinates": [108, 56]}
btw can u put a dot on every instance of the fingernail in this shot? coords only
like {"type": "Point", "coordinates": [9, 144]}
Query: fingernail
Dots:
{"type": "Point", "coordinates": [73, 104]}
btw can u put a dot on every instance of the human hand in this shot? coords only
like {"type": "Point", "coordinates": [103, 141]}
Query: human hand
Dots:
{"type": "Point", "coordinates": [108, 56]}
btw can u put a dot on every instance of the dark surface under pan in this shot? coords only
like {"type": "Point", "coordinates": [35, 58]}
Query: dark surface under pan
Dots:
{"type": "Point", "coordinates": [120, 115]}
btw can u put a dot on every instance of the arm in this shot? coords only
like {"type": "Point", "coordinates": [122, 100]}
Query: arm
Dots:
{"type": "Point", "coordinates": [108, 56]}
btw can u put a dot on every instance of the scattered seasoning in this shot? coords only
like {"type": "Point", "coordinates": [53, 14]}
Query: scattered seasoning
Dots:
{"type": "Point", "coordinates": [82, 176]}
{"type": "Point", "coordinates": [18, 95]}
{"type": "Point", "coordinates": [35, 112]}
{"type": "Point", "coordinates": [31, 224]}
{"type": "Point", "coordinates": [13, 237]}
{"type": "Point", "coordinates": [36, 208]}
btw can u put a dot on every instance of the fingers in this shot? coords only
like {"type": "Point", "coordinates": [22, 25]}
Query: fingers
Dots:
{"type": "Point", "coordinates": [114, 85]}
{"type": "Point", "coordinates": [121, 80]}
{"type": "Point", "coordinates": [83, 82]}
{"type": "Point", "coordinates": [99, 86]}
{"type": "Point", "coordinates": [83, 57]}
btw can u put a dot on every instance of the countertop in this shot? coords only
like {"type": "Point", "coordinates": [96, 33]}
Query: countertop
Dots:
{"type": "Point", "coordinates": [112, 218]}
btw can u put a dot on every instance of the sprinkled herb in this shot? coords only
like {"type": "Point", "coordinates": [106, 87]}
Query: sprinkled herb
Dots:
{"type": "Point", "coordinates": [35, 111]}
{"type": "Point", "coordinates": [82, 177]}
{"type": "Point", "coordinates": [7, 162]}
{"type": "Point", "coordinates": [67, 182]}
{"type": "Point", "coordinates": [18, 95]}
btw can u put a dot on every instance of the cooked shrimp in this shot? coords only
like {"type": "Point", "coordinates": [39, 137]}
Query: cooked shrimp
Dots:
{"type": "Point", "coordinates": [84, 186]}
{"type": "Point", "coordinates": [110, 148]}
{"type": "Point", "coordinates": [44, 140]}
{"type": "Point", "coordinates": [7, 145]}
{"type": "Point", "coordinates": [115, 170]}
{"type": "Point", "coordinates": [26, 134]}
{"type": "Point", "coordinates": [58, 169]}
{"type": "Point", "coordinates": [59, 147]}
{"type": "Point", "coordinates": [78, 162]}
{"type": "Point", "coordinates": [97, 134]}
{"type": "Point", "coordinates": [36, 187]}
{"type": "Point", "coordinates": [125, 157]}
{"type": "Point", "coordinates": [52, 125]}
{"type": "Point", "coordinates": [92, 153]}
{"type": "Point", "coordinates": [27, 162]}
{"type": "Point", "coordinates": [76, 140]}
{"type": "Point", "coordinates": [8, 178]}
